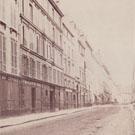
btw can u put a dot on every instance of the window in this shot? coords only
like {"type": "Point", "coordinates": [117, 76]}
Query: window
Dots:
{"type": "Point", "coordinates": [65, 64]}
{"type": "Point", "coordinates": [80, 73]}
{"type": "Point", "coordinates": [69, 66]}
{"type": "Point", "coordinates": [61, 78]}
{"type": "Point", "coordinates": [2, 52]}
{"type": "Point", "coordinates": [73, 85]}
{"type": "Point", "coordinates": [82, 50]}
{"type": "Point", "coordinates": [37, 44]}
{"type": "Point", "coordinates": [65, 82]}
{"type": "Point", "coordinates": [32, 68]}
{"type": "Point", "coordinates": [59, 21]}
{"type": "Point", "coordinates": [54, 75]}
{"type": "Point", "coordinates": [74, 97]}
{"type": "Point", "coordinates": [52, 31]}
{"type": "Point", "coordinates": [54, 54]}
{"type": "Point", "coordinates": [72, 54]}
{"type": "Point", "coordinates": [44, 49]}
{"type": "Point", "coordinates": [50, 51]}
{"type": "Point", "coordinates": [31, 35]}
{"type": "Point", "coordinates": [25, 65]}
{"type": "Point", "coordinates": [38, 70]}
{"type": "Point", "coordinates": [47, 48]}
{"type": "Point", "coordinates": [53, 34]}
{"type": "Point", "coordinates": [13, 14]}
{"type": "Point", "coordinates": [2, 9]}
{"type": "Point", "coordinates": [58, 77]}
{"type": "Point", "coordinates": [57, 37]}
{"type": "Point", "coordinates": [69, 83]}
{"type": "Point", "coordinates": [25, 35]}
{"type": "Point", "coordinates": [48, 6]}
{"type": "Point", "coordinates": [67, 95]}
{"type": "Point", "coordinates": [61, 59]}
{"type": "Point", "coordinates": [50, 74]}
{"type": "Point", "coordinates": [14, 56]}
{"type": "Point", "coordinates": [42, 44]}
{"type": "Point", "coordinates": [31, 12]}
{"type": "Point", "coordinates": [22, 6]}
{"type": "Point", "coordinates": [60, 40]}
{"type": "Point", "coordinates": [44, 73]}
{"type": "Point", "coordinates": [53, 13]}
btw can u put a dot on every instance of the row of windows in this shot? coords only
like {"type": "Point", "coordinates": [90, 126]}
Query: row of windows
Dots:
{"type": "Point", "coordinates": [39, 44]}
{"type": "Point", "coordinates": [46, 5]}
{"type": "Point", "coordinates": [69, 83]}
{"type": "Point", "coordinates": [36, 69]}
{"type": "Point", "coordinates": [44, 23]}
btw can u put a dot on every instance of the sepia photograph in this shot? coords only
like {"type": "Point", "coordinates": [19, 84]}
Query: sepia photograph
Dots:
{"type": "Point", "coordinates": [67, 67]}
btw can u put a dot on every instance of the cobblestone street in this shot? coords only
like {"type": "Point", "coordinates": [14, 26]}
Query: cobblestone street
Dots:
{"type": "Point", "coordinates": [97, 121]}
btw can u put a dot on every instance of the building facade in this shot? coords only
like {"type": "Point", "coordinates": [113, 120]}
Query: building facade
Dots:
{"type": "Point", "coordinates": [69, 67]}
{"type": "Point", "coordinates": [31, 56]}
{"type": "Point", "coordinates": [45, 64]}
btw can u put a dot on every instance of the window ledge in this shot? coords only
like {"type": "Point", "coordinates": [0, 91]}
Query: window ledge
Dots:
{"type": "Point", "coordinates": [3, 24]}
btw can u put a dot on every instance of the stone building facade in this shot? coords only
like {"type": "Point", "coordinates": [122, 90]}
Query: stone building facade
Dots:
{"type": "Point", "coordinates": [43, 61]}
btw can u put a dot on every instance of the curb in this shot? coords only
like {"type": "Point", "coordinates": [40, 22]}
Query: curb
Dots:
{"type": "Point", "coordinates": [43, 118]}
{"type": "Point", "coordinates": [29, 121]}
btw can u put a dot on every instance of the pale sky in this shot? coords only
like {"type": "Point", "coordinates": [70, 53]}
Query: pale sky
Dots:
{"type": "Point", "coordinates": [109, 26]}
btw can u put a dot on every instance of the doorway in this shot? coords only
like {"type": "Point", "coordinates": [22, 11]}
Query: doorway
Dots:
{"type": "Point", "coordinates": [33, 99]}
{"type": "Point", "coordinates": [52, 101]}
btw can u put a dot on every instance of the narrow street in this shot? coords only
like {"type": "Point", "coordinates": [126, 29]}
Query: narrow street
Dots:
{"type": "Point", "coordinates": [98, 121]}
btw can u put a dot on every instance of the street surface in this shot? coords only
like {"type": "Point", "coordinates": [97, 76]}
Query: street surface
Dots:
{"type": "Point", "coordinates": [105, 120]}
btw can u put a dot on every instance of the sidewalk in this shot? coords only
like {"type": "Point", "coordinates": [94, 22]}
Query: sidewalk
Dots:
{"type": "Point", "coordinates": [19, 120]}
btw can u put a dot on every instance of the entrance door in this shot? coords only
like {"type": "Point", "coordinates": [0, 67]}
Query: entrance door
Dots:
{"type": "Point", "coordinates": [33, 99]}
{"type": "Point", "coordinates": [52, 101]}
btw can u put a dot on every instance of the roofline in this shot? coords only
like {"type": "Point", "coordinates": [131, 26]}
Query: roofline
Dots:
{"type": "Point", "coordinates": [89, 45]}
{"type": "Point", "coordinates": [68, 29]}
{"type": "Point", "coordinates": [106, 69]}
{"type": "Point", "coordinates": [56, 7]}
{"type": "Point", "coordinates": [81, 44]}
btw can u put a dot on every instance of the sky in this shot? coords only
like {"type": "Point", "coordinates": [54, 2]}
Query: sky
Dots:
{"type": "Point", "coordinates": [108, 25]}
